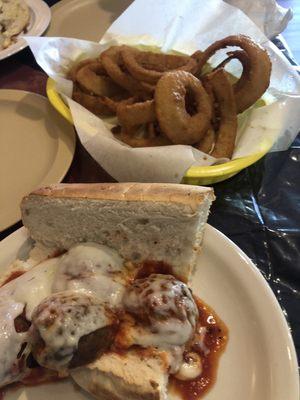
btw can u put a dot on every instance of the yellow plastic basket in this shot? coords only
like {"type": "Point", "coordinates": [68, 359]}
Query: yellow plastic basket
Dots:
{"type": "Point", "coordinates": [206, 175]}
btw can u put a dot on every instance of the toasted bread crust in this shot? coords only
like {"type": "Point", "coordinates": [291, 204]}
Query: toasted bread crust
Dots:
{"type": "Point", "coordinates": [141, 221]}
{"type": "Point", "coordinates": [158, 192]}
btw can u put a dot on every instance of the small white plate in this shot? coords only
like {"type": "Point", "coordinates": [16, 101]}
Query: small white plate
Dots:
{"type": "Point", "coordinates": [84, 19]}
{"type": "Point", "coordinates": [259, 362]}
{"type": "Point", "coordinates": [36, 148]}
{"type": "Point", "coordinates": [40, 16]}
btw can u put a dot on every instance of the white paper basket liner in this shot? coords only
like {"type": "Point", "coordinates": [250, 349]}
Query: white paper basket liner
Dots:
{"type": "Point", "coordinates": [185, 26]}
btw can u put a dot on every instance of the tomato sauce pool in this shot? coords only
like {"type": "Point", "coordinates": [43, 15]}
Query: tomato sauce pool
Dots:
{"type": "Point", "coordinates": [12, 276]}
{"type": "Point", "coordinates": [215, 341]}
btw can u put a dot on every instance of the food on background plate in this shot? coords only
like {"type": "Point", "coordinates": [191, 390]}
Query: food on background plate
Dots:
{"type": "Point", "coordinates": [104, 296]}
{"type": "Point", "coordinates": [14, 18]}
{"type": "Point", "coordinates": [164, 99]}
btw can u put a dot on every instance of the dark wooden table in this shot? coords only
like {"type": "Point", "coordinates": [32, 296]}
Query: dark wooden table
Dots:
{"type": "Point", "coordinates": [258, 209]}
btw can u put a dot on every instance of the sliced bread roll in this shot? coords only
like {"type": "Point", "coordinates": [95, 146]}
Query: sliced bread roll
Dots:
{"type": "Point", "coordinates": [142, 221]}
{"type": "Point", "coordinates": [124, 376]}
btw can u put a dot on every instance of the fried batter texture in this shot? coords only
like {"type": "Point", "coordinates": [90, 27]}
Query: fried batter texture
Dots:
{"type": "Point", "coordinates": [165, 99]}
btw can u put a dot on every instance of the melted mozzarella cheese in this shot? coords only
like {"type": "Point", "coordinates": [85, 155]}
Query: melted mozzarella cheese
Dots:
{"type": "Point", "coordinates": [164, 335]}
{"type": "Point", "coordinates": [32, 287]}
{"type": "Point", "coordinates": [98, 271]}
{"type": "Point", "coordinates": [175, 358]}
{"type": "Point", "coordinates": [191, 368]}
{"type": "Point", "coordinates": [166, 307]}
{"type": "Point", "coordinates": [61, 320]}
{"type": "Point", "coordinates": [10, 341]}
{"type": "Point", "coordinates": [26, 291]}
{"type": "Point", "coordinates": [88, 268]}
{"type": "Point", "coordinates": [201, 340]}
{"type": "Point", "coordinates": [29, 256]}
{"type": "Point", "coordinates": [93, 269]}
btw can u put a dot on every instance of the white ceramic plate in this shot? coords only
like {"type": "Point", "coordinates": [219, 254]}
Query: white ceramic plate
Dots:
{"type": "Point", "coordinates": [40, 16]}
{"type": "Point", "coordinates": [259, 362]}
{"type": "Point", "coordinates": [36, 148]}
{"type": "Point", "coordinates": [84, 19]}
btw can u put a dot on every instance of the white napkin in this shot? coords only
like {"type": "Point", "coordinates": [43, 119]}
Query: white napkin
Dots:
{"type": "Point", "coordinates": [183, 25]}
{"type": "Point", "coordinates": [269, 16]}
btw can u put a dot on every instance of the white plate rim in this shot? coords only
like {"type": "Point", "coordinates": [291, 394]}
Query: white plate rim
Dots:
{"type": "Point", "coordinates": [42, 16]}
{"type": "Point", "coordinates": [62, 8]}
{"type": "Point", "coordinates": [65, 3]}
{"type": "Point", "coordinates": [11, 244]}
{"type": "Point", "coordinates": [66, 144]}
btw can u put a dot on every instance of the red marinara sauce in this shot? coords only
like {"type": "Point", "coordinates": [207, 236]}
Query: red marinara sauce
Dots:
{"type": "Point", "coordinates": [215, 341]}
{"type": "Point", "coordinates": [15, 274]}
{"type": "Point", "coordinates": [37, 376]}
{"type": "Point", "coordinates": [149, 267]}
{"type": "Point", "coordinates": [40, 375]}
{"type": "Point", "coordinates": [12, 276]}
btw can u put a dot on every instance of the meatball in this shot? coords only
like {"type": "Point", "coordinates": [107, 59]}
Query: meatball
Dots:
{"type": "Point", "coordinates": [165, 306]}
{"type": "Point", "coordinates": [70, 329]}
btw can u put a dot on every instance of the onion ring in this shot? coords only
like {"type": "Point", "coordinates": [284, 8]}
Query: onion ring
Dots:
{"type": "Point", "coordinates": [255, 78]}
{"type": "Point", "coordinates": [170, 105]}
{"type": "Point", "coordinates": [113, 64]}
{"type": "Point", "coordinates": [209, 90]}
{"type": "Point", "coordinates": [100, 105]}
{"type": "Point", "coordinates": [206, 144]}
{"type": "Point", "coordinates": [93, 79]}
{"type": "Point", "coordinates": [197, 56]}
{"type": "Point", "coordinates": [140, 138]}
{"type": "Point", "coordinates": [149, 67]}
{"type": "Point", "coordinates": [240, 55]}
{"type": "Point", "coordinates": [136, 114]}
{"type": "Point", "coordinates": [73, 71]}
{"type": "Point", "coordinates": [116, 101]}
{"type": "Point", "coordinates": [227, 128]}
{"type": "Point", "coordinates": [94, 104]}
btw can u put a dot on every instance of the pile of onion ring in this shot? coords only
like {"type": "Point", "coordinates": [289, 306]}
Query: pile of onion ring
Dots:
{"type": "Point", "coordinates": [164, 99]}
